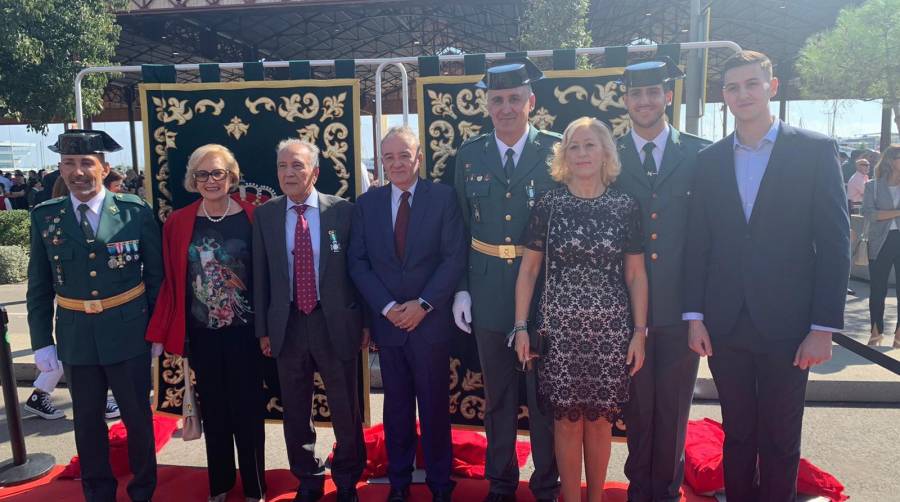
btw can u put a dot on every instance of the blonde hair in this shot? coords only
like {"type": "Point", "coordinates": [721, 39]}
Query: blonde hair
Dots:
{"type": "Point", "coordinates": [610, 168]}
{"type": "Point", "coordinates": [231, 165]}
{"type": "Point", "coordinates": [885, 163]}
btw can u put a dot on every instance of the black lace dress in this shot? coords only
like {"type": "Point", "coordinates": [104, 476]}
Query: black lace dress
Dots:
{"type": "Point", "coordinates": [585, 308]}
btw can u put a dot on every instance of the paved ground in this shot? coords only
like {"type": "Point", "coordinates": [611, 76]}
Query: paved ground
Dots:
{"type": "Point", "coordinates": [858, 442]}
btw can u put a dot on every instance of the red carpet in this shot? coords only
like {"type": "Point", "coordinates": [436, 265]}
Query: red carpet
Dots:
{"type": "Point", "coordinates": [188, 484]}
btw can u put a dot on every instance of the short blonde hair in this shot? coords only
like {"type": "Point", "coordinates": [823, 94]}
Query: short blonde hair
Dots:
{"type": "Point", "coordinates": [611, 167]}
{"type": "Point", "coordinates": [231, 165]}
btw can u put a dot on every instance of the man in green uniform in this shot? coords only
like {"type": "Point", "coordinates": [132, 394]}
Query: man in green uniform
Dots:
{"type": "Point", "coordinates": [99, 255]}
{"type": "Point", "coordinates": [658, 165]}
{"type": "Point", "coordinates": [498, 177]}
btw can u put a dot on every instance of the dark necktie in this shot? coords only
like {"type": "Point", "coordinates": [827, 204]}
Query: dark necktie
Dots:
{"type": "Point", "coordinates": [401, 224]}
{"type": "Point", "coordinates": [649, 164]}
{"type": "Point", "coordinates": [85, 224]}
{"type": "Point", "coordinates": [304, 269]}
{"type": "Point", "coordinates": [509, 165]}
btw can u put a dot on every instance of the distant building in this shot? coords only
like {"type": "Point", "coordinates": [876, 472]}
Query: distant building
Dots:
{"type": "Point", "coordinates": [870, 141]}
{"type": "Point", "coordinates": [11, 154]}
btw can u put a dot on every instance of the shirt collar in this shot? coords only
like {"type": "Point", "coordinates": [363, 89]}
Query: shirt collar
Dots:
{"type": "Point", "coordinates": [396, 192]}
{"type": "Point", "coordinates": [517, 147]}
{"type": "Point", "coordinates": [660, 139]}
{"type": "Point", "coordinates": [94, 204]}
{"type": "Point", "coordinates": [769, 138]}
{"type": "Point", "coordinates": [312, 200]}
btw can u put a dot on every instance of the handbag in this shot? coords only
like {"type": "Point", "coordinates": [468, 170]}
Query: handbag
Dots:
{"type": "Point", "coordinates": [192, 427]}
{"type": "Point", "coordinates": [861, 247]}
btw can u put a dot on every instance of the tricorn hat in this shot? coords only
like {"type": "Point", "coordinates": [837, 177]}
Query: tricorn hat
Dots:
{"type": "Point", "coordinates": [660, 71]}
{"type": "Point", "coordinates": [84, 142]}
{"type": "Point", "coordinates": [510, 74]}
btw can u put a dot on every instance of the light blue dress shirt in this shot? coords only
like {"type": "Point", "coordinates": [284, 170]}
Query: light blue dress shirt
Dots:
{"type": "Point", "coordinates": [290, 224]}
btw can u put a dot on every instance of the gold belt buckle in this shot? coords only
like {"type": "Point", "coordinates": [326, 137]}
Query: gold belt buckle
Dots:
{"type": "Point", "coordinates": [93, 306]}
{"type": "Point", "coordinates": [507, 251]}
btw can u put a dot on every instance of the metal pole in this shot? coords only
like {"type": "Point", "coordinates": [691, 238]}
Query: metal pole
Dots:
{"type": "Point", "coordinates": [379, 168]}
{"type": "Point", "coordinates": [129, 98]}
{"type": "Point", "coordinates": [22, 467]}
{"type": "Point", "coordinates": [696, 75]}
{"type": "Point", "coordinates": [492, 56]}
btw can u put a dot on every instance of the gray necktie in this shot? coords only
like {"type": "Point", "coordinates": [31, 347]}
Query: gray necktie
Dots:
{"type": "Point", "coordinates": [649, 164]}
{"type": "Point", "coordinates": [509, 165]}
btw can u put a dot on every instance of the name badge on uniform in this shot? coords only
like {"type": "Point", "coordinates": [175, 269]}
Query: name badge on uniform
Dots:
{"type": "Point", "coordinates": [333, 242]}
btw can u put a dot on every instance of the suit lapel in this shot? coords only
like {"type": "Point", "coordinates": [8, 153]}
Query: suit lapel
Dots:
{"type": "Point", "coordinates": [110, 220]}
{"type": "Point", "coordinates": [631, 161]}
{"type": "Point", "coordinates": [778, 161]}
{"type": "Point", "coordinates": [491, 158]}
{"type": "Point", "coordinates": [325, 223]}
{"type": "Point", "coordinates": [729, 180]}
{"type": "Point", "coordinates": [386, 225]}
{"type": "Point", "coordinates": [416, 214]}
{"type": "Point", "coordinates": [280, 239]}
{"type": "Point", "coordinates": [672, 156]}
{"type": "Point", "coordinates": [70, 224]}
{"type": "Point", "coordinates": [529, 159]}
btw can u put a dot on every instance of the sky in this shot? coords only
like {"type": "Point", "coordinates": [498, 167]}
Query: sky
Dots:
{"type": "Point", "coordinates": [853, 118]}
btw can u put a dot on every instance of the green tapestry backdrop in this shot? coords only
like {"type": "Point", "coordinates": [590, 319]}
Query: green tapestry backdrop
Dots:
{"type": "Point", "coordinates": [451, 110]}
{"type": "Point", "coordinates": [249, 118]}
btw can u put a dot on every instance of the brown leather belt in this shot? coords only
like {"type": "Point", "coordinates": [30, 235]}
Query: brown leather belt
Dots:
{"type": "Point", "coordinates": [506, 251]}
{"type": "Point", "coordinates": [97, 306]}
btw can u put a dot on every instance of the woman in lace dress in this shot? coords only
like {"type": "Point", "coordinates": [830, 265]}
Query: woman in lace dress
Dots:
{"type": "Point", "coordinates": [593, 309]}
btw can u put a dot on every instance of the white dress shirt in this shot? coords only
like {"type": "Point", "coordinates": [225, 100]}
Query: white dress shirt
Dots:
{"type": "Point", "coordinates": [290, 225]}
{"type": "Point", "coordinates": [95, 205]}
{"type": "Point", "coordinates": [517, 148]}
{"type": "Point", "coordinates": [396, 193]}
{"type": "Point", "coordinates": [660, 141]}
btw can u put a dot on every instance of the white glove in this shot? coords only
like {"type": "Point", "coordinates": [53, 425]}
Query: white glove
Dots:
{"type": "Point", "coordinates": [462, 310]}
{"type": "Point", "coordinates": [45, 358]}
{"type": "Point", "coordinates": [156, 349]}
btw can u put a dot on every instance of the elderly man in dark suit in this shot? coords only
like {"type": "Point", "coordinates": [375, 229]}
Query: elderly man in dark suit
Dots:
{"type": "Point", "coordinates": [308, 317]}
{"type": "Point", "coordinates": [768, 254]}
{"type": "Point", "coordinates": [658, 167]}
{"type": "Point", "coordinates": [407, 254]}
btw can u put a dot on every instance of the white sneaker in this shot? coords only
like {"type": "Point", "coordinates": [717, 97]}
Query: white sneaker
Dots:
{"type": "Point", "coordinates": [39, 404]}
{"type": "Point", "coordinates": [112, 409]}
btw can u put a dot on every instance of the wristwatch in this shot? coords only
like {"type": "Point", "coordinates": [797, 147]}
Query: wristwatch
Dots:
{"type": "Point", "coordinates": [425, 305]}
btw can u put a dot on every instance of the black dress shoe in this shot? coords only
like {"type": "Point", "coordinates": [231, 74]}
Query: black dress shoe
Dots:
{"type": "Point", "coordinates": [443, 496]}
{"type": "Point", "coordinates": [307, 496]}
{"type": "Point", "coordinates": [500, 497]}
{"type": "Point", "coordinates": [399, 494]}
{"type": "Point", "coordinates": [347, 495]}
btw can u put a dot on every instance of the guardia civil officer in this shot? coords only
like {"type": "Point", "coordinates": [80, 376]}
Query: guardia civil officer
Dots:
{"type": "Point", "coordinates": [98, 254]}
{"type": "Point", "coordinates": [498, 177]}
{"type": "Point", "coordinates": [658, 166]}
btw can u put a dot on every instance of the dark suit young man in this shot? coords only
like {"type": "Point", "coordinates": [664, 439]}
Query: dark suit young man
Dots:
{"type": "Point", "coordinates": [658, 167]}
{"type": "Point", "coordinates": [299, 247]}
{"type": "Point", "coordinates": [407, 254]}
{"type": "Point", "coordinates": [768, 255]}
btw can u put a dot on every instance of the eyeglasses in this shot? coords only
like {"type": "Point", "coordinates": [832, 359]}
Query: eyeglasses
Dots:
{"type": "Point", "coordinates": [215, 174]}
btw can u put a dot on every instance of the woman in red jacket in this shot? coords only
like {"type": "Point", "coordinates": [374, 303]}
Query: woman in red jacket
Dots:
{"type": "Point", "coordinates": [204, 309]}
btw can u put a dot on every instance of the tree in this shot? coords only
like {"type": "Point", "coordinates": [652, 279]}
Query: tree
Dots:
{"type": "Point", "coordinates": [43, 45]}
{"type": "Point", "coordinates": [859, 57]}
{"type": "Point", "coordinates": [555, 24]}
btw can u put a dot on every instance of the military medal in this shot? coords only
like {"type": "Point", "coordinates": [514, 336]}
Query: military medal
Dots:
{"type": "Point", "coordinates": [111, 249]}
{"type": "Point", "coordinates": [529, 191]}
{"type": "Point", "coordinates": [120, 257]}
{"type": "Point", "coordinates": [136, 245]}
{"type": "Point", "coordinates": [128, 256]}
{"type": "Point", "coordinates": [334, 244]}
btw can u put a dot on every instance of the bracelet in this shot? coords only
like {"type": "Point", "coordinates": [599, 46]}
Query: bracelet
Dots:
{"type": "Point", "coordinates": [520, 329]}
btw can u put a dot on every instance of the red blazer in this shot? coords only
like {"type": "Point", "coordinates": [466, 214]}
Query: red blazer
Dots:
{"type": "Point", "coordinates": [167, 325]}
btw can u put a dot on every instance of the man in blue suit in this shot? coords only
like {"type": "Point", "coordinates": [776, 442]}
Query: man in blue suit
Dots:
{"type": "Point", "coordinates": [767, 258]}
{"type": "Point", "coordinates": [407, 253]}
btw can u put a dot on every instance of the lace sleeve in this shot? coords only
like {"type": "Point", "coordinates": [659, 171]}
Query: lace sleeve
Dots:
{"type": "Point", "coordinates": [536, 231]}
{"type": "Point", "coordinates": [634, 237]}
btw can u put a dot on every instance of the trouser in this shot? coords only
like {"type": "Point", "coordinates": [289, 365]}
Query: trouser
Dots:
{"type": "Point", "coordinates": [130, 384]}
{"type": "Point", "coordinates": [48, 380]}
{"type": "Point", "coordinates": [879, 272]}
{"type": "Point", "coordinates": [229, 382]}
{"type": "Point", "coordinates": [501, 391]}
{"type": "Point", "coordinates": [307, 349]}
{"type": "Point", "coordinates": [762, 397]}
{"type": "Point", "coordinates": [657, 413]}
{"type": "Point", "coordinates": [416, 371]}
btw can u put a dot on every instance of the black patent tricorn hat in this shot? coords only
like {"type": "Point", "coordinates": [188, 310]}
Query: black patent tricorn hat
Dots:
{"type": "Point", "coordinates": [510, 75]}
{"type": "Point", "coordinates": [84, 142]}
{"type": "Point", "coordinates": [647, 73]}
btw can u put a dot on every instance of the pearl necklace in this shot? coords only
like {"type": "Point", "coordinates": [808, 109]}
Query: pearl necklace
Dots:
{"type": "Point", "coordinates": [220, 218]}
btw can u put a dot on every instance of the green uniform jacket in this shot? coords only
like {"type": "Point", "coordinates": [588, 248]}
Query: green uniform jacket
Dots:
{"type": "Point", "coordinates": [63, 263]}
{"type": "Point", "coordinates": [664, 204]}
{"type": "Point", "coordinates": [496, 212]}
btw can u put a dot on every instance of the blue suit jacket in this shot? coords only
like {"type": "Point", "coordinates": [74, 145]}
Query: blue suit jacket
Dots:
{"type": "Point", "coordinates": [789, 264]}
{"type": "Point", "coordinates": [434, 261]}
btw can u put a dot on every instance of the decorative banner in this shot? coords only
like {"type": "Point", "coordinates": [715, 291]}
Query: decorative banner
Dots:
{"type": "Point", "coordinates": [452, 110]}
{"type": "Point", "coordinates": [249, 118]}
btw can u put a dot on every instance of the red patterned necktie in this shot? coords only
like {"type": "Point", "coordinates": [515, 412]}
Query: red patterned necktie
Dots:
{"type": "Point", "coordinates": [304, 270]}
{"type": "Point", "coordinates": [400, 225]}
